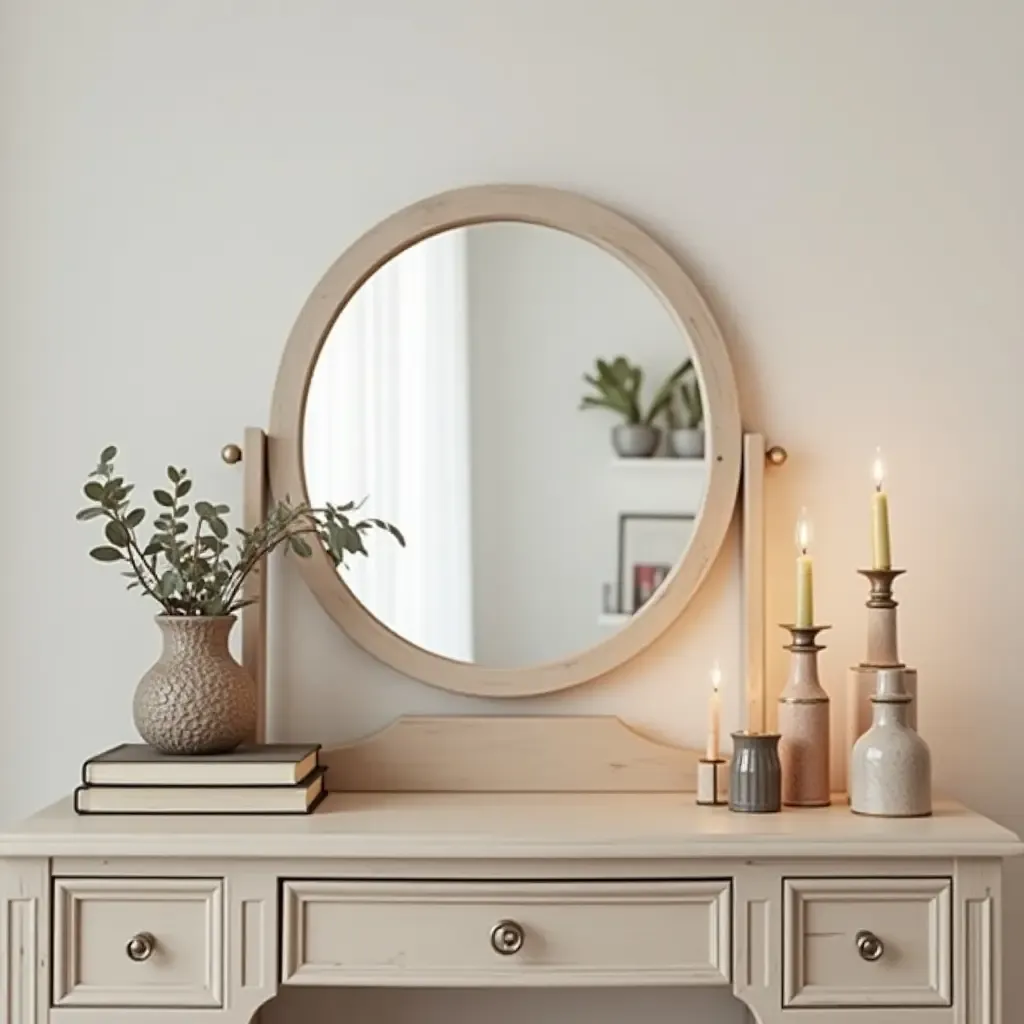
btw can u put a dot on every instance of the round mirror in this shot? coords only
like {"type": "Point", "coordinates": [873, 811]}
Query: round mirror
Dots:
{"type": "Point", "coordinates": [533, 413]}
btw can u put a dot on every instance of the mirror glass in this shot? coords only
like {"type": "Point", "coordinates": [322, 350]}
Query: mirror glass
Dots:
{"type": "Point", "coordinates": [450, 397]}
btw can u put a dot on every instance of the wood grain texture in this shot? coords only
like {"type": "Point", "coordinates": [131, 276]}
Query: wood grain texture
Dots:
{"type": "Point", "coordinates": [821, 919]}
{"type": "Point", "coordinates": [254, 589]}
{"type": "Point", "coordinates": [513, 827]}
{"type": "Point", "coordinates": [522, 754]}
{"type": "Point", "coordinates": [753, 611]}
{"type": "Point", "coordinates": [662, 272]}
{"type": "Point", "coordinates": [573, 933]}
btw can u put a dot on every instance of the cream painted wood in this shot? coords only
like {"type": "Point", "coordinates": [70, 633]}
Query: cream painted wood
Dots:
{"type": "Point", "coordinates": [648, 258]}
{"type": "Point", "coordinates": [473, 754]}
{"type": "Point", "coordinates": [24, 941]}
{"type": "Point", "coordinates": [95, 919]}
{"type": "Point", "coordinates": [754, 580]}
{"type": "Point", "coordinates": [254, 588]}
{"type": "Point", "coordinates": [365, 856]}
{"type": "Point", "coordinates": [911, 918]}
{"type": "Point", "coordinates": [573, 933]}
{"type": "Point", "coordinates": [513, 827]}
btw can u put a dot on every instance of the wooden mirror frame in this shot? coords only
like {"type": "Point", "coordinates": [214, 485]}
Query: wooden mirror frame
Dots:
{"type": "Point", "coordinates": [586, 219]}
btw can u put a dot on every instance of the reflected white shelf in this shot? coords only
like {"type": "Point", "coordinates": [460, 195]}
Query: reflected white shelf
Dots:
{"type": "Point", "coordinates": [694, 467]}
{"type": "Point", "coordinates": [613, 618]}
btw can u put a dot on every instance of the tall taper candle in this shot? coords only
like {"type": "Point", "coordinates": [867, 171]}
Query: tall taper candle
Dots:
{"type": "Point", "coordinates": [804, 573]}
{"type": "Point", "coordinates": [714, 711]}
{"type": "Point", "coordinates": [881, 557]}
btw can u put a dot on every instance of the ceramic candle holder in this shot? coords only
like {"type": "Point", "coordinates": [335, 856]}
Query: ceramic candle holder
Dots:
{"type": "Point", "coordinates": [804, 724]}
{"type": "Point", "coordinates": [882, 652]}
{"type": "Point", "coordinates": [755, 778]}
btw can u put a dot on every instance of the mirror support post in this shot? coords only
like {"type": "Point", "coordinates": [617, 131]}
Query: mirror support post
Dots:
{"type": "Point", "coordinates": [753, 598]}
{"type": "Point", "coordinates": [756, 456]}
{"type": "Point", "coordinates": [253, 456]}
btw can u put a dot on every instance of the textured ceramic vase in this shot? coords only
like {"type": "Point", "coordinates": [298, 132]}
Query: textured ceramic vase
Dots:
{"type": "Point", "coordinates": [686, 443]}
{"type": "Point", "coordinates": [196, 699]}
{"type": "Point", "coordinates": [755, 774]}
{"type": "Point", "coordinates": [634, 440]}
{"type": "Point", "coordinates": [890, 766]}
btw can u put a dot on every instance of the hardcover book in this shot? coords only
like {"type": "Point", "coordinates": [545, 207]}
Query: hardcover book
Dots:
{"type": "Point", "coordinates": [265, 764]}
{"type": "Point", "coordinates": [300, 798]}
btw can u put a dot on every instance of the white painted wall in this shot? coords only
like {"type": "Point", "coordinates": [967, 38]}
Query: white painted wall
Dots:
{"type": "Point", "coordinates": [543, 306]}
{"type": "Point", "coordinates": [844, 181]}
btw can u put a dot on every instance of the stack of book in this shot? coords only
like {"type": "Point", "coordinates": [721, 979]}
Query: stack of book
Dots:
{"type": "Point", "coordinates": [272, 778]}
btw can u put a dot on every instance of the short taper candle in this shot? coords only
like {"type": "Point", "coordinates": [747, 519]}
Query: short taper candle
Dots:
{"type": "Point", "coordinates": [804, 574]}
{"type": "Point", "coordinates": [881, 558]}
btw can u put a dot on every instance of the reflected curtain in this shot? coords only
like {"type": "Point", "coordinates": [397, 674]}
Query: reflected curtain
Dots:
{"type": "Point", "coordinates": [387, 419]}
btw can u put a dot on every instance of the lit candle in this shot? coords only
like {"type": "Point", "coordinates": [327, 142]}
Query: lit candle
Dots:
{"type": "Point", "coordinates": [804, 573]}
{"type": "Point", "coordinates": [881, 558]}
{"type": "Point", "coordinates": [714, 710]}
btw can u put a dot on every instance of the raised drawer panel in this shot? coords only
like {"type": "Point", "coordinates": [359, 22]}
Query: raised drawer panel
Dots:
{"type": "Point", "coordinates": [390, 933]}
{"type": "Point", "coordinates": [95, 920]}
{"type": "Point", "coordinates": [867, 942]}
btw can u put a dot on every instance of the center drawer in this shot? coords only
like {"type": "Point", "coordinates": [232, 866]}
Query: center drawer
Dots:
{"type": "Point", "coordinates": [486, 933]}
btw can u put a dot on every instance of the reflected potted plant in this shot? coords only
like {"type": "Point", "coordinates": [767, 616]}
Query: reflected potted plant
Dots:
{"type": "Point", "coordinates": [617, 386]}
{"type": "Point", "coordinates": [197, 699]}
{"type": "Point", "coordinates": [684, 413]}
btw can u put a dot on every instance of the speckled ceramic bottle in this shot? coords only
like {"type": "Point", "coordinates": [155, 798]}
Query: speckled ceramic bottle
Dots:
{"type": "Point", "coordinates": [890, 766]}
{"type": "Point", "coordinates": [804, 724]}
{"type": "Point", "coordinates": [196, 699]}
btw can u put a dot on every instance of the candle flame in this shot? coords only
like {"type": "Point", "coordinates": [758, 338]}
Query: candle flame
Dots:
{"type": "Point", "coordinates": [878, 469]}
{"type": "Point", "coordinates": [716, 677]}
{"type": "Point", "coordinates": [803, 532]}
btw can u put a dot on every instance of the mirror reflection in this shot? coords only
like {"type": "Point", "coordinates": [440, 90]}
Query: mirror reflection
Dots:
{"type": "Point", "coordinates": [524, 408]}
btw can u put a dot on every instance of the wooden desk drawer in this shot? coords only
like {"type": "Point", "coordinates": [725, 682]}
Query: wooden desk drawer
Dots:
{"type": "Point", "coordinates": [867, 942]}
{"type": "Point", "coordinates": [95, 920]}
{"type": "Point", "coordinates": [412, 933]}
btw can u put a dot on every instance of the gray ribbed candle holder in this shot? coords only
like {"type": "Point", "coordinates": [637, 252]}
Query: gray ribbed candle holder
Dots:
{"type": "Point", "coordinates": [755, 776]}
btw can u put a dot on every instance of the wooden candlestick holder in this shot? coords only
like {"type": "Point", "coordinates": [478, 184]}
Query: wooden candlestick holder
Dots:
{"type": "Point", "coordinates": [804, 724]}
{"type": "Point", "coordinates": [882, 652]}
{"type": "Point", "coordinates": [712, 782]}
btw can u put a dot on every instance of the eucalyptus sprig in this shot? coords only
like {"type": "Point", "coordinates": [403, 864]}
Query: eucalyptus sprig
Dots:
{"type": "Point", "coordinates": [188, 568]}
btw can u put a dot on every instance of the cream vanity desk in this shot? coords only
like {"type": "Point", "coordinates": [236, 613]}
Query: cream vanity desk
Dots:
{"type": "Point", "coordinates": [540, 850]}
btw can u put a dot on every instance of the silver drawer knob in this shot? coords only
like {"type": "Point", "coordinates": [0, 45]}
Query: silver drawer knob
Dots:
{"type": "Point", "coordinates": [140, 947]}
{"type": "Point", "coordinates": [870, 946]}
{"type": "Point", "coordinates": [507, 937]}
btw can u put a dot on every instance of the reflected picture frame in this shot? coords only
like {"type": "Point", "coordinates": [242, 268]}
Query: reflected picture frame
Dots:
{"type": "Point", "coordinates": [649, 546]}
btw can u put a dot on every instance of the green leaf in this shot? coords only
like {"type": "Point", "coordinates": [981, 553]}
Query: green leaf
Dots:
{"type": "Point", "coordinates": [135, 517]}
{"type": "Point", "coordinates": [88, 513]}
{"type": "Point", "coordinates": [116, 534]}
{"type": "Point", "coordinates": [182, 488]}
{"type": "Point", "coordinates": [205, 510]}
{"type": "Point", "coordinates": [108, 454]}
{"type": "Point", "coordinates": [154, 547]}
{"type": "Point", "coordinates": [219, 527]}
{"type": "Point", "coordinates": [163, 498]}
{"type": "Point", "coordinates": [105, 554]}
{"type": "Point", "coordinates": [93, 490]}
{"type": "Point", "coordinates": [169, 584]}
{"type": "Point", "coordinates": [221, 510]}
{"type": "Point", "coordinates": [300, 546]}
{"type": "Point", "coordinates": [173, 475]}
